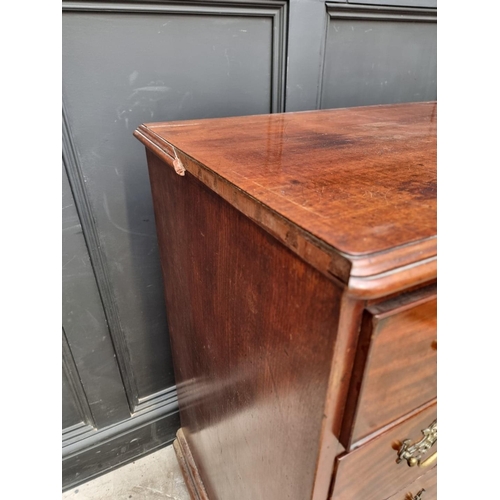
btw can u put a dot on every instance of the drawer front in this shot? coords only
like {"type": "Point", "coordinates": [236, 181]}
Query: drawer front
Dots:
{"type": "Point", "coordinates": [372, 471]}
{"type": "Point", "coordinates": [396, 365]}
{"type": "Point", "coordinates": [424, 488]}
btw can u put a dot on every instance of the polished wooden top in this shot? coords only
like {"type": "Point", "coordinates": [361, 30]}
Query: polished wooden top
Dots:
{"type": "Point", "coordinates": [356, 182]}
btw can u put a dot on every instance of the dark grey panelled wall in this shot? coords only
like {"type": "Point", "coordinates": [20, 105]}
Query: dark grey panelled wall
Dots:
{"type": "Point", "coordinates": [125, 63]}
{"type": "Point", "coordinates": [378, 55]}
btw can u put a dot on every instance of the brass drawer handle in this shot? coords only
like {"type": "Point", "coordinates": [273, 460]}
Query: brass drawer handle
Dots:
{"type": "Point", "coordinates": [413, 453]}
{"type": "Point", "coordinates": [429, 461]}
{"type": "Point", "coordinates": [418, 496]}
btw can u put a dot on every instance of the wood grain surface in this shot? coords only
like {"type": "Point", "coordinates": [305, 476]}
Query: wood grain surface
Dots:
{"type": "Point", "coordinates": [355, 186]}
{"type": "Point", "coordinates": [370, 472]}
{"type": "Point", "coordinates": [396, 364]}
{"type": "Point", "coordinates": [427, 482]}
{"type": "Point", "coordinates": [253, 329]}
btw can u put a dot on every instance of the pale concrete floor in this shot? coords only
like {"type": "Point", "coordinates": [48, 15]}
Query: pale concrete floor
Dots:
{"type": "Point", "coordinates": [154, 477]}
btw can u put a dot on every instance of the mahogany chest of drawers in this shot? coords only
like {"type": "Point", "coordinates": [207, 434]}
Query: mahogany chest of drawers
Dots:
{"type": "Point", "coordinates": [299, 260]}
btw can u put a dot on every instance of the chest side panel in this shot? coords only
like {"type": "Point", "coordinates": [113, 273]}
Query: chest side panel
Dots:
{"type": "Point", "coordinates": [253, 329]}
